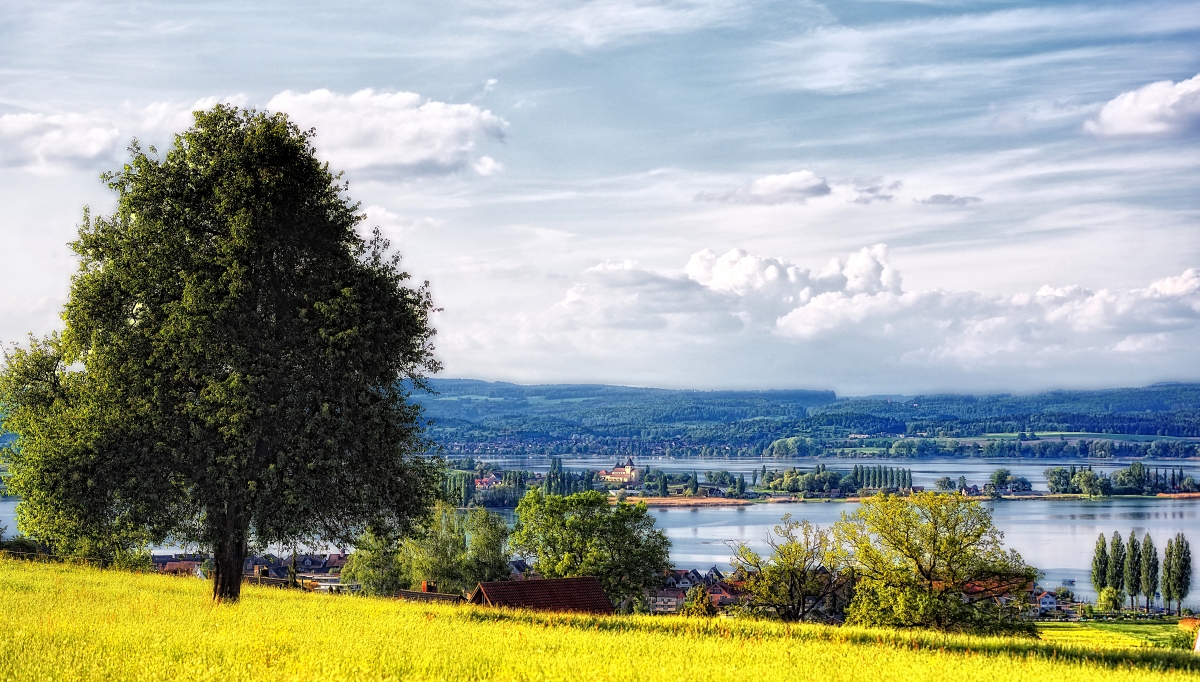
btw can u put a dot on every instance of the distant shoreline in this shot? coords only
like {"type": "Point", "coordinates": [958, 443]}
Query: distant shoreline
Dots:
{"type": "Point", "coordinates": [684, 502]}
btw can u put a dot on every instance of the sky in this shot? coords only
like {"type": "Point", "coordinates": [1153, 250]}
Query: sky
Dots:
{"type": "Point", "coordinates": [867, 196]}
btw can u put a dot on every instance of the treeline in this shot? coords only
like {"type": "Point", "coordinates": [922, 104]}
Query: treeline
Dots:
{"type": "Point", "coordinates": [482, 419]}
{"type": "Point", "coordinates": [1121, 569]}
{"type": "Point", "coordinates": [1135, 479]}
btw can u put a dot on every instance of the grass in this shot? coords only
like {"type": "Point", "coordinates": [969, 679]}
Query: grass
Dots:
{"type": "Point", "coordinates": [63, 622]}
{"type": "Point", "coordinates": [1109, 634]}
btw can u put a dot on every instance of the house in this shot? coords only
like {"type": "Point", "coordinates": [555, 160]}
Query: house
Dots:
{"type": "Point", "coordinates": [714, 576]}
{"type": "Point", "coordinates": [723, 595]}
{"type": "Point", "coordinates": [669, 600]}
{"type": "Point", "coordinates": [1046, 602]}
{"type": "Point", "coordinates": [621, 473]}
{"type": "Point", "coordinates": [564, 595]}
{"type": "Point", "coordinates": [335, 562]}
{"type": "Point", "coordinates": [684, 579]}
{"type": "Point", "coordinates": [971, 491]}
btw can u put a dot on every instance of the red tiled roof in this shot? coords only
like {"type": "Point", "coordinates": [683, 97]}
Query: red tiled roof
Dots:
{"type": "Point", "coordinates": [580, 595]}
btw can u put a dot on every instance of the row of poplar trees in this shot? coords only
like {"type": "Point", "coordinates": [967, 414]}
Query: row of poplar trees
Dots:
{"type": "Point", "coordinates": [882, 477]}
{"type": "Point", "coordinates": [1132, 568]}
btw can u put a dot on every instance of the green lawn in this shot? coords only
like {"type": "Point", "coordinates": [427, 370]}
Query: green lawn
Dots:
{"type": "Point", "coordinates": [1109, 634]}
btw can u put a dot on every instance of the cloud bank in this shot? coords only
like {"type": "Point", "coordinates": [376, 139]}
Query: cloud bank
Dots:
{"type": "Point", "coordinates": [1162, 108]}
{"type": "Point", "coordinates": [47, 143]}
{"type": "Point", "coordinates": [738, 313]}
{"type": "Point", "coordinates": [364, 131]}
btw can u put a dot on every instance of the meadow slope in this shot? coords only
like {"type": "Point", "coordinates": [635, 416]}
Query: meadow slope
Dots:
{"type": "Point", "coordinates": [71, 623]}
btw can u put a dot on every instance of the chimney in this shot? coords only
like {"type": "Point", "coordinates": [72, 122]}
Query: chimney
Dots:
{"type": "Point", "coordinates": [428, 586]}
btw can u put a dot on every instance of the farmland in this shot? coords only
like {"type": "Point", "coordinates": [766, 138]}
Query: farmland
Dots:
{"type": "Point", "coordinates": [64, 622]}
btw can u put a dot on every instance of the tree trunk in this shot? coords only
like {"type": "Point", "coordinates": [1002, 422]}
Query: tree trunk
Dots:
{"type": "Point", "coordinates": [229, 553]}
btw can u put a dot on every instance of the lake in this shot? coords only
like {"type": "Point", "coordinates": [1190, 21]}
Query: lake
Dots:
{"type": "Point", "coordinates": [1057, 536]}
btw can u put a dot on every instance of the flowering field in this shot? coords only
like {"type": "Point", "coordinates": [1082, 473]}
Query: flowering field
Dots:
{"type": "Point", "coordinates": [70, 623]}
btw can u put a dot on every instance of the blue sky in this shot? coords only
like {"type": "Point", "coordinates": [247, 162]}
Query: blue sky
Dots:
{"type": "Point", "coordinates": [863, 196]}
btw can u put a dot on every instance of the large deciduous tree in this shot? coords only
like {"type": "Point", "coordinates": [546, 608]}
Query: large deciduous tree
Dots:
{"type": "Point", "coordinates": [236, 363]}
{"type": "Point", "coordinates": [933, 560]}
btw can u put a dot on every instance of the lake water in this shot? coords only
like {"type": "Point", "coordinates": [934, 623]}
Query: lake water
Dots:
{"type": "Point", "coordinates": [1057, 536]}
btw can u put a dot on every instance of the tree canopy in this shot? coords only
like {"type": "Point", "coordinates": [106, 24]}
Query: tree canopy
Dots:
{"type": "Point", "coordinates": [582, 534]}
{"type": "Point", "coordinates": [236, 364]}
{"type": "Point", "coordinates": [933, 560]}
{"type": "Point", "coordinates": [802, 575]}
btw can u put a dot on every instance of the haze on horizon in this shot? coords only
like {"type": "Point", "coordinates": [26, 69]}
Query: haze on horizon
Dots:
{"type": "Point", "coordinates": [873, 197]}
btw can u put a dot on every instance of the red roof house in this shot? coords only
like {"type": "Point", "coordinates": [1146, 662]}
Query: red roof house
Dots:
{"type": "Point", "coordinates": [571, 595]}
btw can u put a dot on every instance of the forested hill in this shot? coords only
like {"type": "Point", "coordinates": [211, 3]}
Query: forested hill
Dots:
{"type": "Point", "coordinates": [479, 416]}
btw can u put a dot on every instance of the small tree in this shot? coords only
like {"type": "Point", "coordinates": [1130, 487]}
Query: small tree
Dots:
{"type": "Point", "coordinates": [698, 603]}
{"type": "Point", "coordinates": [1168, 574]}
{"type": "Point", "coordinates": [944, 484]}
{"type": "Point", "coordinates": [1109, 599]}
{"type": "Point", "coordinates": [803, 573]}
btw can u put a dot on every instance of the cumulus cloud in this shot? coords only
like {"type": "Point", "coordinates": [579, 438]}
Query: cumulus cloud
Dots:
{"type": "Point", "coordinates": [950, 200]}
{"type": "Point", "coordinates": [1162, 108]}
{"type": "Point", "coordinates": [398, 131]}
{"type": "Point", "coordinates": [858, 303]}
{"type": "Point", "coordinates": [789, 188]}
{"type": "Point", "coordinates": [48, 143]}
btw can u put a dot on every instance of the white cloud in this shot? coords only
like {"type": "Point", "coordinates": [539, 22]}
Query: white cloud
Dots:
{"type": "Point", "coordinates": [49, 143]}
{"type": "Point", "coordinates": [394, 224]}
{"type": "Point", "coordinates": [1162, 108]}
{"type": "Point", "coordinates": [391, 131]}
{"type": "Point", "coordinates": [486, 166]}
{"type": "Point", "coordinates": [854, 316]}
{"type": "Point", "coordinates": [576, 24]}
{"type": "Point", "coordinates": [788, 188]}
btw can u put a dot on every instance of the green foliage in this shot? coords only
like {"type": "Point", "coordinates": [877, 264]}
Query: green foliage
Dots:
{"type": "Point", "coordinates": [582, 534]}
{"type": "Point", "coordinates": [236, 361]}
{"type": "Point", "coordinates": [1131, 570]}
{"type": "Point", "coordinates": [802, 576]}
{"type": "Point", "coordinates": [933, 561]}
{"type": "Point", "coordinates": [698, 603]}
{"type": "Point", "coordinates": [1100, 564]}
{"type": "Point", "coordinates": [944, 484]}
{"type": "Point", "coordinates": [1149, 570]}
{"type": "Point", "coordinates": [1116, 564]}
{"type": "Point", "coordinates": [1109, 599]}
{"type": "Point", "coordinates": [1177, 571]}
{"type": "Point", "coordinates": [454, 550]}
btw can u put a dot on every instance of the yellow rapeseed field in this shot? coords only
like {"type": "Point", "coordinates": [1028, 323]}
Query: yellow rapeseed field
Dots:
{"type": "Point", "coordinates": [61, 622]}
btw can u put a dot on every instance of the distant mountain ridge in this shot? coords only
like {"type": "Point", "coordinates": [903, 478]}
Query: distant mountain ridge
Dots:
{"type": "Point", "coordinates": [466, 413]}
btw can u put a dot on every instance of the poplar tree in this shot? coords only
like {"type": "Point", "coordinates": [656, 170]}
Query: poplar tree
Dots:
{"type": "Point", "coordinates": [1100, 564]}
{"type": "Point", "coordinates": [1168, 574]}
{"type": "Point", "coordinates": [1116, 565]}
{"type": "Point", "coordinates": [1149, 570]}
{"type": "Point", "coordinates": [1131, 573]}
{"type": "Point", "coordinates": [236, 364]}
